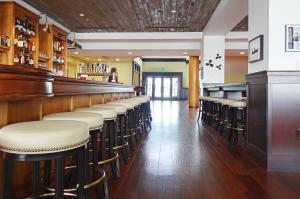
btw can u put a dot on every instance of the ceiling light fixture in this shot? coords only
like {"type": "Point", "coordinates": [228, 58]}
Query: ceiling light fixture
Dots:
{"type": "Point", "coordinates": [129, 53]}
{"type": "Point", "coordinates": [185, 53]}
{"type": "Point", "coordinates": [87, 58]}
{"type": "Point", "coordinates": [173, 11]}
{"type": "Point", "coordinates": [76, 53]}
{"type": "Point", "coordinates": [172, 29]}
{"type": "Point", "coordinates": [82, 15]}
{"type": "Point", "coordinates": [99, 30]}
{"type": "Point", "coordinates": [74, 43]}
{"type": "Point", "coordinates": [117, 59]}
{"type": "Point", "coordinates": [46, 28]}
{"type": "Point", "coordinates": [99, 59]}
{"type": "Point", "coordinates": [242, 53]}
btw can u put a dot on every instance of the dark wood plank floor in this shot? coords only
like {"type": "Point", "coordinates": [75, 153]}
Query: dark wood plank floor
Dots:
{"type": "Point", "coordinates": [181, 159]}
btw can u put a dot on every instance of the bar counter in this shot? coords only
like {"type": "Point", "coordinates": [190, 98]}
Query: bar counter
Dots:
{"type": "Point", "coordinates": [27, 94]}
{"type": "Point", "coordinates": [228, 91]}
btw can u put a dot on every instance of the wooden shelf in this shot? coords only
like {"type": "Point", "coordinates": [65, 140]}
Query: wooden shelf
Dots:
{"type": "Point", "coordinates": [42, 59]}
{"type": "Point", "coordinates": [4, 48]}
{"type": "Point", "coordinates": [94, 74]}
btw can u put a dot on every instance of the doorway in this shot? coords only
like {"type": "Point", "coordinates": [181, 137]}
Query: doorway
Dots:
{"type": "Point", "coordinates": [163, 86]}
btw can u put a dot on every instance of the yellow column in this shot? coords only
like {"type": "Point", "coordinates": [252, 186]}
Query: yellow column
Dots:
{"type": "Point", "coordinates": [194, 82]}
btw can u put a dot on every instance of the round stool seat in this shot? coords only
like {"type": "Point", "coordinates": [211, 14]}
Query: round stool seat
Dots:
{"type": "Point", "coordinates": [107, 113]}
{"type": "Point", "coordinates": [203, 98]}
{"type": "Point", "coordinates": [41, 137]}
{"type": "Point", "coordinates": [145, 97]}
{"type": "Point", "coordinates": [94, 120]}
{"type": "Point", "coordinates": [237, 103]}
{"type": "Point", "coordinates": [212, 99]}
{"type": "Point", "coordinates": [129, 106]}
{"type": "Point", "coordinates": [121, 109]}
{"type": "Point", "coordinates": [133, 102]}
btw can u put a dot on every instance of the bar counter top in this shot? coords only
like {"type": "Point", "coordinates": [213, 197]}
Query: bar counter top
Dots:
{"type": "Point", "coordinates": [220, 87]}
{"type": "Point", "coordinates": [24, 83]}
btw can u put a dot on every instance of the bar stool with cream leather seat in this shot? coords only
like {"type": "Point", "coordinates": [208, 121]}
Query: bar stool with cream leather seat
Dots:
{"type": "Point", "coordinates": [122, 141]}
{"type": "Point", "coordinates": [145, 112]}
{"type": "Point", "coordinates": [44, 140]}
{"type": "Point", "coordinates": [95, 122]}
{"type": "Point", "coordinates": [223, 114]}
{"type": "Point", "coordinates": [129, 122]}
{"type": "Point", "coordinates": [108, 139]}
{"type": "Point", "coordinates": [237, 115]}
{"type": "Point", "coordinates": [134, 119]}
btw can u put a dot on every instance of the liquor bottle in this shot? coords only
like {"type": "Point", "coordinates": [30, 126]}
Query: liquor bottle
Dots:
{"type": "Point", "coordinates": [22, 58]}
{"type": "Point", "coordinates": [16, 59]}
{"type": "Point", "coordinates": [31, 60]}
{"type": "Point", "coordinates": [7, 41]}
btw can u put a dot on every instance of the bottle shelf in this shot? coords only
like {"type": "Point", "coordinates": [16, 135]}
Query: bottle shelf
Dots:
{"type": "Point", "coordinates": [4, 48]}
{"type": "Point", "coordinates": [95, 74]}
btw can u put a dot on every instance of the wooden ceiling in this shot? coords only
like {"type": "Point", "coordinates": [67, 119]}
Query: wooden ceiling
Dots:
{"type": "Point", "coordinates": [242, 26]}
{"type": "Point", "coordinates": [129, 15]}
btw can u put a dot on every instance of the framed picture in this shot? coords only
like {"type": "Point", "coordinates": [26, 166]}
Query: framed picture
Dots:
{"type": "Point", "coordinates": [292, 38]}
{"type": "Point", "coordinates": [256, 48]}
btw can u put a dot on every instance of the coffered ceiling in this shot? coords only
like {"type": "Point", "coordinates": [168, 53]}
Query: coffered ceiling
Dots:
{"type": "Point", "coordinates": [129, 15]}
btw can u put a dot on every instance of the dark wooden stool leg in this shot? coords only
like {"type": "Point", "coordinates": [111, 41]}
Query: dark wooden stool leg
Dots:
{"type": "Point", "coordinates": [36, 180]}
{"type": "Point", "coordinates": [7, 178]}
{"type": "Point", "coordinates": [112, 142]}
{"type": "Point", "coordinates": [122, 140]}
{"type": "Point", "coordinates": [81, 172]}
{"type": "Point", "coordinates": [47, 173]}
{"type": "Point", "coordinates": [59, 190]}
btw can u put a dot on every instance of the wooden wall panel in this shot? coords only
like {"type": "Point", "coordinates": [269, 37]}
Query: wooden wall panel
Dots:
{"type": "Point", "coordinates": [107, 98]}
{"type": "Point", "coordinates": [97, 99]}
{"type": "Point", "coordinates": [57, 104]}
{"type": "Point", "coordinates": [81, 101]}
{"type": "Point", "coordinates": [22, 111]}
{"type": "Point", "coordinates": [3, 113]}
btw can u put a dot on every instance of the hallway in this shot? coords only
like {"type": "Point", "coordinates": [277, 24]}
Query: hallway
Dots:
{"type": "Point", "coordinates": [180, 159]}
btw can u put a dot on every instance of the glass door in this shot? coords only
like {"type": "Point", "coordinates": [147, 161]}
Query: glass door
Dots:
{"type": "Point", "coordinates": [163, 86]}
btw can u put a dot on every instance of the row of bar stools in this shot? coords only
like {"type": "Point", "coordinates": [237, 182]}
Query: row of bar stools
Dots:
{"type": "Point", "coordinates": [112, 123]}
{"type": "Point", "coordinates": [108, 139]}
{"type": "Point", "coordinates": [44, 140]}
{"type": "Point", "coordinates": [95, 122]}
{"type": "Point", "coordinates": [224, 113]}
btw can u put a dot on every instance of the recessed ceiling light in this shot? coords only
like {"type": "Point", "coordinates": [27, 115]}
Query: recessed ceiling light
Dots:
{"type": "Point", "coordinates": [76, 53]}
{"type": "Point", "coordinates": [99, 59]}
{"type": "Point", "coordinates": [173, 11]}
{"type": "Point", "coordinates": [99, 30]}
{"type": "Point", "coordinates": [242, 53]}
{"type": "Point", "coordinates": [80, 14]}
{"type": "Point", "coordinates": [129, 53]}
{"type": "Point", "coordinates": [172, 29]}
{"type": "Point", "coordinates": [185, 53]}
{"type": "Point", "coordinates": [87, 58]}
{"type": "Point", "coordinates": [117, 59]}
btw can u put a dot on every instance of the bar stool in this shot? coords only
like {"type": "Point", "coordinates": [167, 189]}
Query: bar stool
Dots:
{"type": "Point", "coordinates": [135, 119]}
{"type": "Point", "coordinates": [95, 122]}
{"type": "Point", "coordinates": [44, 140]}
{"type": "Point", "coordinates": [122, 141]}
{"type": "Point", "coordinates": [237, 115]}
{"type": "Point", "coordinates": [223, 114]}
{"type": "Point", "coordinates": [129, 122]}
{"type": "Point", "coordinates": [145, 112]}
{"type": "Point", "coordinates": [108, 139]}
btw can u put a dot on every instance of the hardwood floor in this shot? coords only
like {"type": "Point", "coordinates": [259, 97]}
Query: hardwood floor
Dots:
{"type": "Point", "coordinates": [181, 159]}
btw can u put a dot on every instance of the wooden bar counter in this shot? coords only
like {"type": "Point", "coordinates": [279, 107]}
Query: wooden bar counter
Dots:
{"type": "Point", "coordinates": [27, 94]}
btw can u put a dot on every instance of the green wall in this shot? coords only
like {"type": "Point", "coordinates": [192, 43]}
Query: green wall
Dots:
{"type": "Point", "coordinates": [169, 67]}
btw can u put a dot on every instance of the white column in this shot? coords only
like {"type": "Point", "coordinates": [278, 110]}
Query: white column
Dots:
{"type": "Point", "coordinates": [212, 59]}
{"type": "Point", "coordinates": [269, 18]}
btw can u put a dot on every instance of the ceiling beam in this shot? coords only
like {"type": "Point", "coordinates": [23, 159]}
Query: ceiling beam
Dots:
{"type": "Point", "coordinates": [226, 16]}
